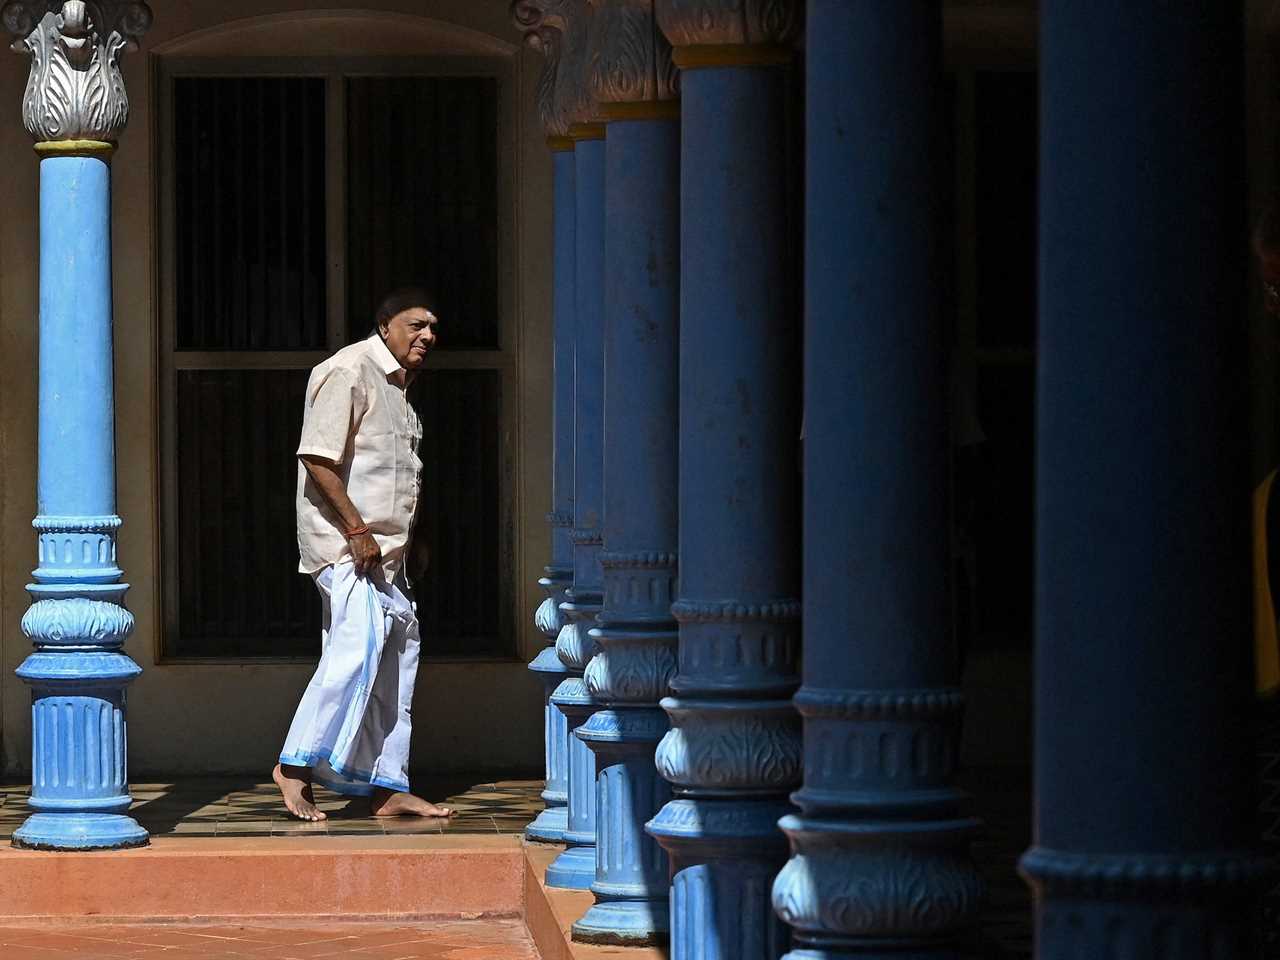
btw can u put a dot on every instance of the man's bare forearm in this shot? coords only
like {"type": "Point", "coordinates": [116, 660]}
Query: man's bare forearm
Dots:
{"type": "Point", "coordinates": [328, 481]}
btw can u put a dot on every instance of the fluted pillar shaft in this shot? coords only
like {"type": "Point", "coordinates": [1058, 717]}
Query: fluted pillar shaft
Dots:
{"type": "Point", "coordinates": [1143, 819]}
{"type": "Point", "coordinates": [636, 635]}
{"type": "Point", "coordinates": [879, 864]}
{"type": "Point", "coordinates": [733, 751]}
{"type": "Point", "coordinates": [75, 108]}
{"type": "Point", "coordinates": [557, 577]}
{"type": "Point", "coordinates": [576, 867]}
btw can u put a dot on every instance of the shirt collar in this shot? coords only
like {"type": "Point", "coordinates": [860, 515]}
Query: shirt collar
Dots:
{"type": "Point", "coordinates": [382, 356]}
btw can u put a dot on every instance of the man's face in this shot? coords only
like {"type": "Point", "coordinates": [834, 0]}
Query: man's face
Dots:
{"type": "Point", "coordinates": [410, 335]}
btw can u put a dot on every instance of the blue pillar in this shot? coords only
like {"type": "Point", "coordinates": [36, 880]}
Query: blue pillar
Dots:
{"type": "Point", "coordinates": [78, 623]}
{"type": "Point", "coordinates": [733, 751]}
{"type": "Point", "coordinates": [557, 577]}
{"type": "Point", "coordinates": [636, 635]}
{"type": "Point", "coordinates": [880, 865]}
{"type": "Point", "coordinates": [1144, 829]}
{"type": "Point", "coordinates": [576, 866]}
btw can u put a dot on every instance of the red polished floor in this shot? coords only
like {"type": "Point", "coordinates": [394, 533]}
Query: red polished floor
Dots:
{"type": "Point", "coordinates": [442, 940]}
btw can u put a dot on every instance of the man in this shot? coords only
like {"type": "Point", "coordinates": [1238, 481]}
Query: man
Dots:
{"type": "Point", "coordinates": [358, 482]}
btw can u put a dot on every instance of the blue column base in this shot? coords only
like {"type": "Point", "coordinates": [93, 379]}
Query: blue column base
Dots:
{"type": "Point", "coordinates": [889, 950]}
{"type": "Point", "coordinates": [551, 823]}
{"type": "Point", "coordinates": [549, 826]}
{"type": "Point", "coordinates": [1193, 906]}
{"type": "Point", "coordinates": [631, 883]}
{"type": "Point", "coordinates": [79, 778]}
{"type": "Point", "coordinates": [879, 887]}
{"type": "Point", "coordinates": [80, 831]}
{"type": "Point", "coordinates": [724, 857]}
{"type": "Point", "coordinates": [625, 923]}
{"type": "Point", "coordinates": [575, 869]}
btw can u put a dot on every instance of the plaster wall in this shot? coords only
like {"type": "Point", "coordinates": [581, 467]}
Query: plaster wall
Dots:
{"type": "Point", "coordinates": [197, 718]}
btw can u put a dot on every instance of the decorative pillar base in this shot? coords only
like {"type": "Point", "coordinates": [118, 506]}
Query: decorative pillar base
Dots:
{"type": "Point", "coordinates": [878, 888]}
{"type": "Point", "coordinates": [80, 831]}
{"type": "Point", "coordinates": [79, 778]}
{"type": "Point", "coordinates": [1186, 906]}
{"type": "Point", "coordinates": [551, 823]}
{"type": "Point", "coordinates": [624, 923]}
{"type": "Point", "coordinates": [630, 886]}
{"type": "Point", "coordinates": [724, 856]}
{"type": "Point", "coordinates": [575, 868]}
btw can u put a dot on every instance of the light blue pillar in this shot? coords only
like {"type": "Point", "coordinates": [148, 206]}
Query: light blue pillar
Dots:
{"type": "Point", "coordinates": [576, 866]}
{"type": "Point", "coordinates": [733, 751]}
{"type": "Point", "coordinates": [75, 107]}
{"type": "Point", "coordinates": [880, 866]}
{"type": "Point", "coordinates": [550, 825]}
{"type": "Point", "coordinates": [636, 635]}
{"type": "Point", "coordinates": [1144, 841]}
{"type": "Point", "coordinates": [78, 623]}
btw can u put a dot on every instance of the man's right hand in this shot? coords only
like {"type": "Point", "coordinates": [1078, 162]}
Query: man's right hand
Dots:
{"type": "Point", "coordinates": [365, 553]}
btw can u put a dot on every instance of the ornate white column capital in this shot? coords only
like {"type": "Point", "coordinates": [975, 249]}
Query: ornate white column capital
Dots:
{"type": "Point", "coordinates": [560, 30]}
{"type": "Point", "coordinates": [729, 23]}
{"type": "Point", "coordinates": [630, 60]}
{"type": "Point", "coordinates": [75, 90]}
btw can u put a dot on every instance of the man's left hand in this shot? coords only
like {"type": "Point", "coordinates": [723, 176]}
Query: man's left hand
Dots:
{"type": "Point", "coordinates": [365, 553]}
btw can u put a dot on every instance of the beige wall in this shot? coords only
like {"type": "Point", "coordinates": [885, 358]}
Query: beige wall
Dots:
{"type": "Point", "coordinates": [195, 718]}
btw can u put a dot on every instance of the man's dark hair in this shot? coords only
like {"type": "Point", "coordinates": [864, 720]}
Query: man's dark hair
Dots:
{"type": "Point", "coordinates": [400, 299]}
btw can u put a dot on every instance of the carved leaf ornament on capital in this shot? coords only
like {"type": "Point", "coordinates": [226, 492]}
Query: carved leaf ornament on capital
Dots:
{"type": "Point", "coordinates": [630, 60]}
{"type": "Point", "coordinates": [75, 90]}
{"type": "Point", "coordinates": [559, 30]}
{"type": "Point", "coordinates": [689, 23]}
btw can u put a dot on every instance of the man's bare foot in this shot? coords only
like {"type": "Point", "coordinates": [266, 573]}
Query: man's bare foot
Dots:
{"type": "Point", "coordinates": [394, 803]}
{"type": "Point", "coordinates": [295, 787]}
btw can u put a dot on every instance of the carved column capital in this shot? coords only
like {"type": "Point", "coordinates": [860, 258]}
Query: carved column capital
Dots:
{"type": "Point", "coordinates": [559, 29]}
{"type": "Point", "coordinates": [721, 23]}
{"type": "Point", "coordinates": [75, 90]}
{"type": "Point", "coordinates": [629, 58]}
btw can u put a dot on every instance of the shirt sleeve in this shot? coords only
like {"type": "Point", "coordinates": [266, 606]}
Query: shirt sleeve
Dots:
{"type": "Point", "coordinates": [334, 409]}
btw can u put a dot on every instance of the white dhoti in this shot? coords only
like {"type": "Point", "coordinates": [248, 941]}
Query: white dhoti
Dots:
{"type": "Point", "coordinates": [352, 727]}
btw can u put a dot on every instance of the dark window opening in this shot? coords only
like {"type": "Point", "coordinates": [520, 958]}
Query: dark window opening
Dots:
{"type": "Point", "coordinates": [259, 170]}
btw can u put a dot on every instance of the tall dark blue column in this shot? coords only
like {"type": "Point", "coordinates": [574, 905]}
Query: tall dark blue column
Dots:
{"type": "Point", "coordinates": [558, 574]}
{"type": "Point", "coordinates": [576, 866]}
{"type": "Point", "coordinates": [636, 635]}
{"type": "Point", "coordinates": [1144, 818]}
{"type": "Point", "coordinates": [880, 864]}
{"type": "Point", "coordinates": [733, 752]}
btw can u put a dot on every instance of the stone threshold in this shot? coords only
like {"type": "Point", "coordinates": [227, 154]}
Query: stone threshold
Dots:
{"type": "Point", "coordinates": [210, 879]}
{"type": "Point", "coordinates": [313, 879]}
{"type": "Point", "coordinates": [549, 914]}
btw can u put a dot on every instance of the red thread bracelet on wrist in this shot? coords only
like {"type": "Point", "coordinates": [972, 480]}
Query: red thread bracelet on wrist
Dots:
{"type": "Point", "coordinates": [357, 531]}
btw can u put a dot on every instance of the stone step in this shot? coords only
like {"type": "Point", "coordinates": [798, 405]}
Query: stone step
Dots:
{"type": "Point", "coordinates": [219, 878]}
{"type": "Point", "coordinates": [549, 914]}
{"type": "Point", "coordinates": [279, 940]}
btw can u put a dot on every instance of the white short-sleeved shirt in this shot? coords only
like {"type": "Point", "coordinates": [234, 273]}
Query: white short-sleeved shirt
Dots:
{"type": "Point", "coordinates": [357, 414]}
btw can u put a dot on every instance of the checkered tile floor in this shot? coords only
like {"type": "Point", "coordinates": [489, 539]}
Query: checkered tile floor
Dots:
{"type": "Point", "coordinates": [207, 807]}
